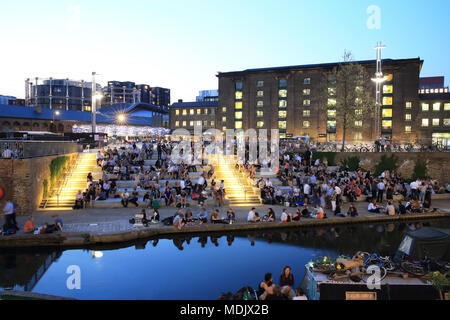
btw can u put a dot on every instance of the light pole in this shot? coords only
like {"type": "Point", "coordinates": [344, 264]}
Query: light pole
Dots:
{"type": "Point", "coordinates": [379, 79]}
{"type": "Point", "coordinates": [94, 104]}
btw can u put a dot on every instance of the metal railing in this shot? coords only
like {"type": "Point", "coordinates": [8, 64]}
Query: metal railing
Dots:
{"type": "Point", "coordinates": [19, 149]}
{"type": "Point", "coordinates": [67, 176]}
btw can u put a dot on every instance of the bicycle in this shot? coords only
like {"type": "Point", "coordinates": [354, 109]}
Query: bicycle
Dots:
{"type": "Point", "coordinates": [422, 267]}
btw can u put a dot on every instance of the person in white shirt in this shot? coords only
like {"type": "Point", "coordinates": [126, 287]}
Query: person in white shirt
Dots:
{"type": "Point", "coordinates": [253, 216]}
{"type": "Point", "coordinates": [380, 187]}
{"type": "Point", "coordinates": [7, 154]}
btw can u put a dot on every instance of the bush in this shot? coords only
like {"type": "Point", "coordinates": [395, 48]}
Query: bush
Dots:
{"type": "Point", "coordinates": [57, 169]}
{"type": "Point", "coordinates": [330, 156]}
{"type": "Point", "coordinates": [420, 170]}
{"type": "Point", "coordinates": [351, 162]}
{"type": "Point", "coordinates": [387, 163]}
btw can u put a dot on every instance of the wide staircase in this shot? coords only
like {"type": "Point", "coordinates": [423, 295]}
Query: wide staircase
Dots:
{"type": "Point", "coordinates": [63, 197]}
{"type": "Point", "coordinates": [239, 190]}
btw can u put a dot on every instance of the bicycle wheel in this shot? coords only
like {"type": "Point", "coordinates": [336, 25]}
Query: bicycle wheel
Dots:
{"type": "Point", "coordinates": [414, 269]}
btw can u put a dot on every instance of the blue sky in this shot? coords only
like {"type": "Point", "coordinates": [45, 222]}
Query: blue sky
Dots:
{"type": "Point", "coordinates": [182, 44]}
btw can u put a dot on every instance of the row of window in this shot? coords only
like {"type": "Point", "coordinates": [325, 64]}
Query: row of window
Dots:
{"type": "Point", "coordinates": [192, 123]}
{"type": "Point", "coordinates": [435, 122]}
{"type": "Point", "coordinates": [192, 112]}
{"type": "Point", "coordinates": [436, 106]}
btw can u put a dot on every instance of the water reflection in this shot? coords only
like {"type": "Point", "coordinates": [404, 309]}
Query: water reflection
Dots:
{"type": "Point", "coordinates": [238, 251]}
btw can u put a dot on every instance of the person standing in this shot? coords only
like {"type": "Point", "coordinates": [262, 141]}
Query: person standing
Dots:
{"type": "Point", "coordinates": [380, 187]}
{"type": "Point", "coordinates": [10, 215]}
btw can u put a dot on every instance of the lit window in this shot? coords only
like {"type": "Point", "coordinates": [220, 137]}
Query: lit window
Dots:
{"type": "Point", "coordinates": [177, 123]}
{"type": "Point", "coordinates": [424, 122]}
{"type": "Point", "coordinates": [224, 128]}
{"type": "Point", "coordinates": [260, 93]}
{"type": "Point", "coordinates": [409, 105]}
{"type": "Point", "coordinates": [238, 124]}
{"type": "Point", "coordinates": [206, 111]}
{"type": "Point", "coordinates": [331, 113]}
{"type": "Point", "coordinates": [282, 114]}
{"type": "Point", "coordinates": [199, 111]}
{"type": "Point", "coordinates": [387, 101]}
{"type": "Point", "coordinates": [408, 117]}
{"type": "Point", "coordinates": [358, 112]}
{"type": "Point", "coordinates": [388, 89]}
{"type": "Point", "coordinates": [238, 95]}
{"type": "Point", "coordinates": [177, 112]}
{"type": "Point", "coordinates": [184, 112]}
{"type": "Point", "coordinates": [307, 102]}
{"type": "Point", "coordinates": [191, 123]}
{"type": "Point", "coordinates": [212, 123]}
{"type": "Point", "coordinates": [224, 109]}
{"type": "Point", "coordinates": [260, 124]}
{"type": "Point", "coordinates": [425, 107]}
{"type": "Point", "coordinates": [386, 113]}
{"type": "Point", "coordinates": [282, 135]}
{"type": "Point", "coordinates": [260, 113]}
{"type": "Point", "coordinates": [238, 105]}
{"type": "Point", "coordinates": [224, 119]}
{"type": "Point", "coordinates": [446, 106]}
{"type": "Point", "coordinates": [260, 104]}
{"type": "Point", "coordinates": [389, 77]}
{"type": "Point", "coordinates": [436, 106]}
{"type": "Point", "coordinates": [199, 123]}
{"type": "Point", "coordinates": [191, 112]}
{"type": "Point", "coordinates": [408, 129]}
{"type": "Point", "coordinates": [331, 102]}
{"type": "Point", "coordinates": [331, 92]}
{"type": "Point", "coordinates": [306, 113]}
{"type": "Point", "coordinates": [386, 124]}
{"type": "Point", "coordinates": [260, 84]}
{"type": "Point", "coordinates": [282, 124]}
{"type": "Point", "coordinates": [306, 92]}
{"type": "Point", "coordinates": [446, 122]}
{"type": "Point", "coordinates": [282, 93]}
{"type": "Point", "coordinates": [358, 123]}
{"type": "Point", "coordinates": [358, 136]}
{"type": "Point", "coordinates": [331, 124]}
{"type": "Point", "coordinates": [306, 124]}
{"type": "Point", "coordinates": [282, 104]}
{"type": "Point", "coordinates": [307, 81]}
{"type": "Point", "coordinates": [184, 123]}
{"type": "Point", "coordinates": [238, 115]}
{"type": "Point", "coordinates": [435, 122]}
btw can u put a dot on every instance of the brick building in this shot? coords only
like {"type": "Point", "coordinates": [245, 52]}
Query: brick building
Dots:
{"type": "Point", "coordinates": [298, 100]}
{"type": "Point", "coordinates": [185, 115]}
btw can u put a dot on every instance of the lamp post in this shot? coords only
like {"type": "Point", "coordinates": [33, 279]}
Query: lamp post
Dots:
{"type": "Point", "coordinates": [56, 113]}
{"type": "Point", "coordinates": [379, 79]}
{"type": "Point", "coordinates": [94, 104]}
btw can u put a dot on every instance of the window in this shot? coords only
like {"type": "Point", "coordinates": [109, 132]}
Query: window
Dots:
{"type": "Point", "coordinates": [389, 77]}
{"type": "Point", "coordinates": [239, 86]}
{"type": "Point", "coordinates": [408, 129]}
{"type": "Point", "coordinates": [387, 101]}
{"type": "Point", "coordinates": [282, 124]}
{"type": "Point", "coordinates": [238, 115]}
{"type": "Point", "coordinates": [177, 112]}
{"type": "Point", "coordinates": [260, 104]}
{"type": "Point", "coordinates": [199, 123]}
{"type": "Point", "coordinates": [283, 83]}
{"type": "Point", "coordinates": [260, 84]}
{"type": "Point", "coordinates": [282, 104]}
{"type": "Point", "coordinates": [259, 113]}
{"type": "Point", "coordinates": [282, 93]}
{"type": "Point", "coordinates": [331, 124]}
{"type": "Point", "coordinates": [199, 111]}
{"type": "Point", "coordinates": [306, 124]}
{"type": "Point", "coordinates": [386, 124]}
{"type": "Point", "coordinates": [424, 122]}
{"type": "Point", "coordinates": [331, 102]}
{"type": "Point", "coordinates": [408, 117]}
{"type": "Point", "coordinates": [388, 89]}
{"type": "Point", "coordinates": [386, 113]}
{"type": "Point", "coordinates": [260, 124]}
{"type": "Point", "coordinates": [238, 125]}
{"type": "Point", "coordinates": [307, 102]}
{"type": "Point", "coordinates": [358, 123]}
{"type": "Point", "coordinates": [331, 113]}
{"type": "Point", "coordinates": [446, 106]}
{"type": "Point", "coordinates": [184, 112]}
{"type": "Point", "coordinates": [282, 114]}
{"type": "Point", "coordinates": [238, 105]}
{"type": "Point", "coordinates": [435, 122]}
{"type": "Point", "coordinates": [307, 81]}
{"type": "Point", "coordinates": [260, 93]}
{"type": "Point", "coordinates": [358, 136]}
{"type": "Point", "coordinates": [177, 123]}
{"type": "Point", "coordinates": [212, 123]}
{"type": "Point", "coordinates": [206, 111]}
{"type": "Point", "coordinates": [446, 122]}
{"type": "Point", "coordinates": [306, 92]}
{"type": "Point", "coordinates": [224, 128]}
{"type": "Point", "coordinates": [191, 123]}
{"type": "Point", "coordinates": [409, 105]}
{"type": "Point", "coordinates": [224, 109]}
{"type": "Point", "coordinates": [184, 123]}
{"type": "Point", "coordinates": [425, 107]}
{"type": "Point", "coordinates": [358, 112]}
{"type": "Point", "coordinates": [238, 95]}
{"type": "Point", "coordinates": [331, 92]}
{"type": "Point", "coordinates": [191, 112]}
{"type": "Point", "coordinates": [224, 119]}
{"type": "Point", "coordinates": [306, 113]}
{"type": "Point", "coordinates": [436, 106]}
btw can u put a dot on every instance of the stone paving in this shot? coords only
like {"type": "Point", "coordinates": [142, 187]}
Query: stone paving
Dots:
{"type": "Point", "coordinates": [109, 221]}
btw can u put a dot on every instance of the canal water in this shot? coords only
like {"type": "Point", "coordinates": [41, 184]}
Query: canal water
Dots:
{"type": "Point", "coordinates": [193, 267]}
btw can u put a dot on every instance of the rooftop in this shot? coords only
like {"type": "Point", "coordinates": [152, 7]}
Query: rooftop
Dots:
{"type": "Point", "coordinates": [195, 104]}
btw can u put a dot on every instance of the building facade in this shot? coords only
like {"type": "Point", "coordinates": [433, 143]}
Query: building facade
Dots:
{"type": "Point", "coordinates": [63, 94]}
{"type": "Point", "coordinates": [7, 100]}
{"type": "Point", "coordinates": [161, 96]}
{"type": "Point", "coordinates": [208, 95]}
{"type": "Point", "coordinates": [120, 92]}
{"type": "Point", "coordinates": [434, 118]}
{"type": "Point", "coordinates": [301, 101]}
{"type": "Point", "coordinates": [186, 115]}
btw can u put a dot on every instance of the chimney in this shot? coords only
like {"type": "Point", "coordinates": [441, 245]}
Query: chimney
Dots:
{"type": "Point", "coordinates": [180, 100]}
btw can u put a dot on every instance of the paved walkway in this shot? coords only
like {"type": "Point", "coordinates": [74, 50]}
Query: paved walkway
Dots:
{"type": "Point", "coordinates": [108, 221]}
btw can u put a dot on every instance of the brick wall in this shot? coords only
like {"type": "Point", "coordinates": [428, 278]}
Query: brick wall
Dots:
{"type": "Point", "coordinates": [22, 181]}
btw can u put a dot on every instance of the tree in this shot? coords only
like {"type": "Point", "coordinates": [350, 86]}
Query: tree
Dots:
{"type": "Point", "coordinates": [354, 100]}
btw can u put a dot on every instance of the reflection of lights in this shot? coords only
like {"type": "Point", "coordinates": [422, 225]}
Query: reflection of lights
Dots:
{"type": "Point", "coordinates": [97, 254]}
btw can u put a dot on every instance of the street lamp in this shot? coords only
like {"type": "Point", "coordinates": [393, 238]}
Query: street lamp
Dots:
{"type": "Point", "coordinates": [379, 79]}
{"type": "Point", "coordinates": [121, 118]}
